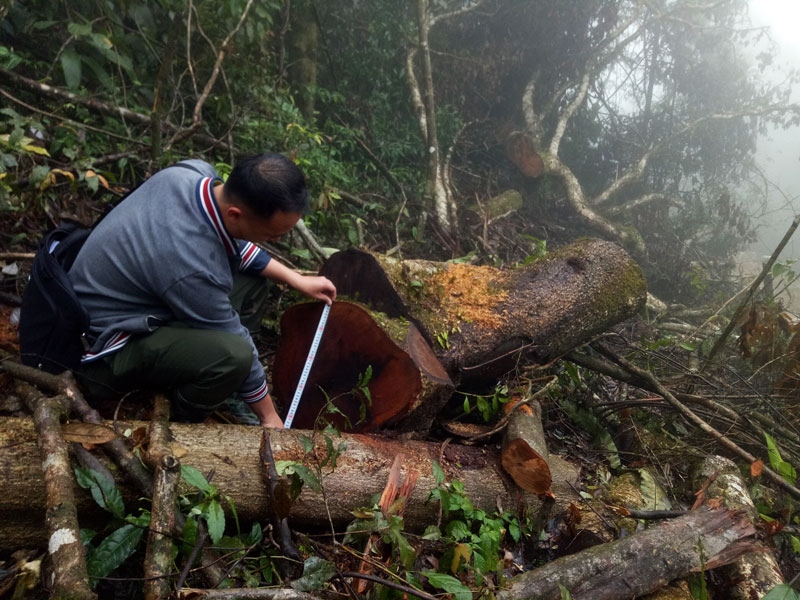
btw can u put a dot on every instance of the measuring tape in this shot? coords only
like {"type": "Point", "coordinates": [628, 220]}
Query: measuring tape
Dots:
{"type": "Point", "coordinates": [312, 353]}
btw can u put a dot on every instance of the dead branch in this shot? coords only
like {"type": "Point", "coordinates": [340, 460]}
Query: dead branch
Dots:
{"type": "Point", "coordinates": [689, 415]}
{"type": "Point", "coordinates": [755, 573]}
{"type": "Point", "coordinates": [70, 578]}
{"type": "Point", "coordinates": [752, 290]}
{"type": "Point", "coordinates": [158, 557]}
{"type": "Point", "coordinates": [643, 562]}
{"type": "Point", "coordinates": [291, 568]}
{"type": "Point", "coordinates": [99, 106]}
{"type": "Point", "coordinates": [245, 594]}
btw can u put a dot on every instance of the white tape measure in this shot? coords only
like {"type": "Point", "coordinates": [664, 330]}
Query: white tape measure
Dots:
{"type": "Point", "coordinates": [312, 353]}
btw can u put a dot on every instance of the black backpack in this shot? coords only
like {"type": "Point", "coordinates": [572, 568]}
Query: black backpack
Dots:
{"type": "Point", "coordinates": [53, 324]}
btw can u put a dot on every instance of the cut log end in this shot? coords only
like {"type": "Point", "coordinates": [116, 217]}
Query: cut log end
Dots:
{"type": "Point", "coordinates": [527, 468]}
{"type": "Point", "coordinates": [351, 344]}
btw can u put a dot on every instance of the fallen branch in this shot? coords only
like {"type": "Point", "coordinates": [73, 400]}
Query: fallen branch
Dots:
{"type": "Point", "coordinates": [750, 292]}
{"type": "Point", "coordinates": [756, 573]}
{"type": "Point", "coordinates": [70, 578]}
{"type": "Point", "coordinates": [245, 594]}
{"type": "Point", "coordinates": [690, 416]}
{"type": "Point", "coordinates": [158, 557]}
{"type": "Point", "coordinates": [117, 449]}
{"type": "Point", "coordinates": [643, 562]}
{"type": "Point", "coordinates": [293, 567]}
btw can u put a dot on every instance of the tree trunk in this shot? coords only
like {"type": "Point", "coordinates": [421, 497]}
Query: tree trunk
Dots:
{"type": "Point", "coordinates": [643, 562]}
{"type": "Point", "coordinates": [301, 42]}
{"type": "Point", "coordinates": [482, 322]}
{"type": "Point", "coordinates": [231, 452]}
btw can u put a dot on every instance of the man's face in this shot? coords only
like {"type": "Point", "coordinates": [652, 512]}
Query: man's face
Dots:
{"type": "Point", "coordinates": [252, 228]}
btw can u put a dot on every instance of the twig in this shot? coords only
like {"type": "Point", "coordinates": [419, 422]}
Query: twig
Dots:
{"type": "Point", "coordinates": [504, 421]}
{"type": "Point", "coordinates": [694, 419]}
{"type": "Point", "coordinates": [68, 555]}
{"type": "Point", "coordinates": [198, 545]}
{"type": "Point", "coordinates": [310, 241]}
{"type": "Point", "coordinates": [245, 594]}
{"type": "Point", "coordinates": [158, 557]}
{"type": "Point", "coordinates": [391, 584]}
{"type": "Point", "coordinates": [750, 292]}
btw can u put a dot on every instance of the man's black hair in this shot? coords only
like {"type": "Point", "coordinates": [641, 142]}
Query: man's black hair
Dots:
{"type": "Point", "coordinates": [268, 183]}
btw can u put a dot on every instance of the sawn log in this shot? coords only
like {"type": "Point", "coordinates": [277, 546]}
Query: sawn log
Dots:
{"type": "Point", "coordinates": [643, 562]}
{"type": "Point", "coordinates": [453, 322]}
{"type": "Point", "coordinates": [231, 453]}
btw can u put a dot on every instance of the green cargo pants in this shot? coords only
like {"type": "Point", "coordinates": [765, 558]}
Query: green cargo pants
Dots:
{"type": "Point", "coordinates": [199, 368]}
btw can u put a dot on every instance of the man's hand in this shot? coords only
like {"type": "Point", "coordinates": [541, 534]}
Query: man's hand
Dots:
{"type": "Point", "coordinates": [313, 286]}
{"type": "Point", "coordinates": [265, 411]}
{"type": "Point", "coordinates": [317, 287]}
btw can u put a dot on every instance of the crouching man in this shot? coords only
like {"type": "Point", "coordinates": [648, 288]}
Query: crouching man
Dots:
{"type": "Point", "coordinates": [167, 278]}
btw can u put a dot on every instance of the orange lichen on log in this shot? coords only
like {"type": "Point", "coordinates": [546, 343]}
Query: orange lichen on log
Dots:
{"type": "Point", "coordinates": [471, 293]}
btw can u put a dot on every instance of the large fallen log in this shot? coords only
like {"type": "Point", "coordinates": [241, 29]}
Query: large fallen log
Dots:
{"type": "Point", "coordinates": [481, 319]}
{"type": "Point", "coordinates": [643, 562]}
{"type": "Point", "coordinates": [479, 322]}
{"type": "Point", "coordinates": [231, 452]}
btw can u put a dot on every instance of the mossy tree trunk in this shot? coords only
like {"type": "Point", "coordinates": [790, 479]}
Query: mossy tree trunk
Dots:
{"type": "Point", "coordinates": [481, 322]}
{"type": "Point", "coordinates": [423, 328]}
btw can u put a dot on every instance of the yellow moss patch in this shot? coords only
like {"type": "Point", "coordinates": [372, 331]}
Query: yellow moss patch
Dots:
{"type": "Point", "coordinates": [471, 293]}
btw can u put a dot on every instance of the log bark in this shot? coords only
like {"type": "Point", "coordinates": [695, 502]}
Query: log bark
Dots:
{"type": "Point", "coordinates": [70, 579]}
{"type": "Point", "coordinates": [158, 557]}
{"type": "Point", "coordinates": [643, 562]}
{"type": "Point", "coordinates": [480, 320]}
{"type": "Point", "coordinates": [232, 453]}
{"type": "Point", "coordinates": [754, 574]}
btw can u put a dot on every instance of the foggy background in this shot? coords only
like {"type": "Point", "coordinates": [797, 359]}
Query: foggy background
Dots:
{"type": "Point", "coordinates": [779, 154]}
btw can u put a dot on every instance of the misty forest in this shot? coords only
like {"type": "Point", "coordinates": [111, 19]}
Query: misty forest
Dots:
{"type": "Point", "coordinates": [547, 374]}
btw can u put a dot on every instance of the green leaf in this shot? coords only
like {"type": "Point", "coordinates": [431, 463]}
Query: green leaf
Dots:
{"type": "Point", "coordinates": [79, 29]}
{"type": "Point", "coordinates": [255, 536]}
{"type": "Point", "coordinates": [438, 472]}
{"type": "Point", "coordinates": [215, 518]}
{"type": "Point", "coordinates": [457, 530]}
{"type": "Point", "coordinates": [196, 479]}
{"type": "Point", "coordinates": [113, 551]}
{"type": "Point", "coordinates": [105, 492]}
{"type": "Point", "coordinates": [565, 595]}
{"type": "Point", "coordinates": [71, 66]}
{"type": "Point", "coordinates": [795, 541]}
{"type": "Point", "coordinates": [309, 478]}
{"type": "Point", "coordinates": [784, 469]}
{"type": "Point", "coordinates": [449, 584]}
{"type": "Point", "coordinates": [782, 592]}
{"type": "Point", "coordinates": [316, 572]}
